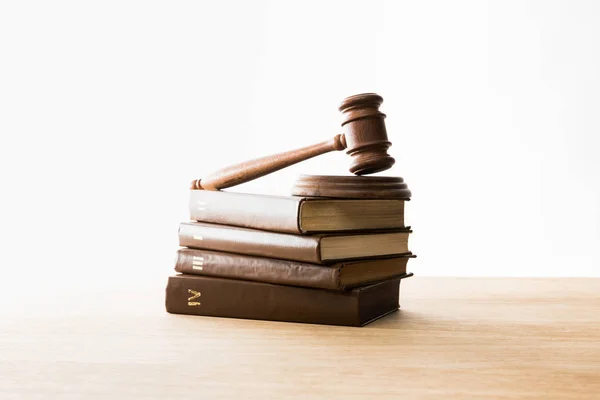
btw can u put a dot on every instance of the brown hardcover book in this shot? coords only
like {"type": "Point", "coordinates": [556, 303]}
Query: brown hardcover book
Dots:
{"type": "Point", "coordinates": [317, 249]}
{"type": "Point", "coordinates": [218, 297]}
{"type": "Point", "coordinates": [292, 214]}
{"type": "Point", "coordinates": [339, 276]}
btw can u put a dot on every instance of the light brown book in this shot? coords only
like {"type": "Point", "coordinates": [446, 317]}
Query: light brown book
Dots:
{"type": "Point", "coordinates": [317, 249]}
{"type": "Point", "coordinates": [292, 214]}
{"type": "Point", "coordinates": [218, 297]}
{"type": "Point", "coordinates": [338, 276]}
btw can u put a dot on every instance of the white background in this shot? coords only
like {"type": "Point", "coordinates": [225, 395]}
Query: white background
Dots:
{"type": "Point", "coordinates": [109, 109]}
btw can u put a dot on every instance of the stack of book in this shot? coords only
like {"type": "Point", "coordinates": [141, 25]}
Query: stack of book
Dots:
{"type": "Point", "coordinates": [288, 258]}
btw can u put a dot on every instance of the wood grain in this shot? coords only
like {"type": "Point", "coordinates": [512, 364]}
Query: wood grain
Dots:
{"type": "Point", "coordinates": [352, 187]}
{"type": "Point", "coordinates": [365, 134]}
{"type": "Point", "coordinates": [250, 170]}
{"type": "Point", "coordinates": [454, 339]}
{"type": "Point", "coordinates": [364, 138]}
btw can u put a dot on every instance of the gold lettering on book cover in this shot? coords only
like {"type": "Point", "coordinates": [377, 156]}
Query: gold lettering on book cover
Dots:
{"type": "Point", "coordinates": [194, 295]}
{"type": "Point", "coordinates": [197, 263]}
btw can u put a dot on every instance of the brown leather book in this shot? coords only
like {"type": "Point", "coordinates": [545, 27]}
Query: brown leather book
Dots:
{"type": "Point", "coordinates": [218, 297]}
{"type": "Point", "coordinates": [339, 276]}
{"type": "Point", "coordinates": [317, 249]}
{"type": "Point", "coordinates": [292, 214]}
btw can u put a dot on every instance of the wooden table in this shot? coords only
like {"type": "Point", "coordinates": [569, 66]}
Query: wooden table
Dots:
{"type": "Point", "coordinates": [454, 339]}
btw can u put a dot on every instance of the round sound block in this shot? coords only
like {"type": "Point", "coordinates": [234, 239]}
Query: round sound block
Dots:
{"type": "Point", "coordinates": [351, 187]}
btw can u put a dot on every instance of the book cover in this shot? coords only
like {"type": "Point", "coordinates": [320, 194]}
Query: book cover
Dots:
{"type": "Point", "coordinates": [218, 297]}
{"type": "Point", "coordinates": [338, 276]}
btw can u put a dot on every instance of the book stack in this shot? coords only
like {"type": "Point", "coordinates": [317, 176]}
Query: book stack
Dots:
{"type": "Point", "coordinates": [289, 258]}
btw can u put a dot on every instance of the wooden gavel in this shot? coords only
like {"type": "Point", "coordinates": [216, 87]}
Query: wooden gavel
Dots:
{"type": "Point", "coordinates": [364, 137]}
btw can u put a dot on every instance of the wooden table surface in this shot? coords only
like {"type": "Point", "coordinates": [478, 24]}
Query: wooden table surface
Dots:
{"type": "Point", "coordinates": [455, 338]}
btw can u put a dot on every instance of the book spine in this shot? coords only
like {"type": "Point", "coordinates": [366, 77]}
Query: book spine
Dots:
{"type": "Point", "coordinates": [229, 239]}
{"type": "Point", "coordinates": [269, 213]}
{"type": "Point", "coordinates": [235, 266]}
{"type": "Point", "coordinates": [207, 296]}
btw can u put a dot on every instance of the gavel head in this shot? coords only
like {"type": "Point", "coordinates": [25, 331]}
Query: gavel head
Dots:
{"type": "Point", "coordinates": [365, 135]}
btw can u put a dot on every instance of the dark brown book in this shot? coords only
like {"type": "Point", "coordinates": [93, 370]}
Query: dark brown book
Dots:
{"type": "Point", "coordinates": [317, 249]}
{"type": "Point", "coordinates": [338, 276]}
{"type": "Point", "coordinates": [293, 214]}
{"type": "Point", "coordinates": [218, 297]}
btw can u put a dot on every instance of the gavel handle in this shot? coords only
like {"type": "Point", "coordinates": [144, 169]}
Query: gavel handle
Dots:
{"type": "Point", "coordinates": [249, 170]}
